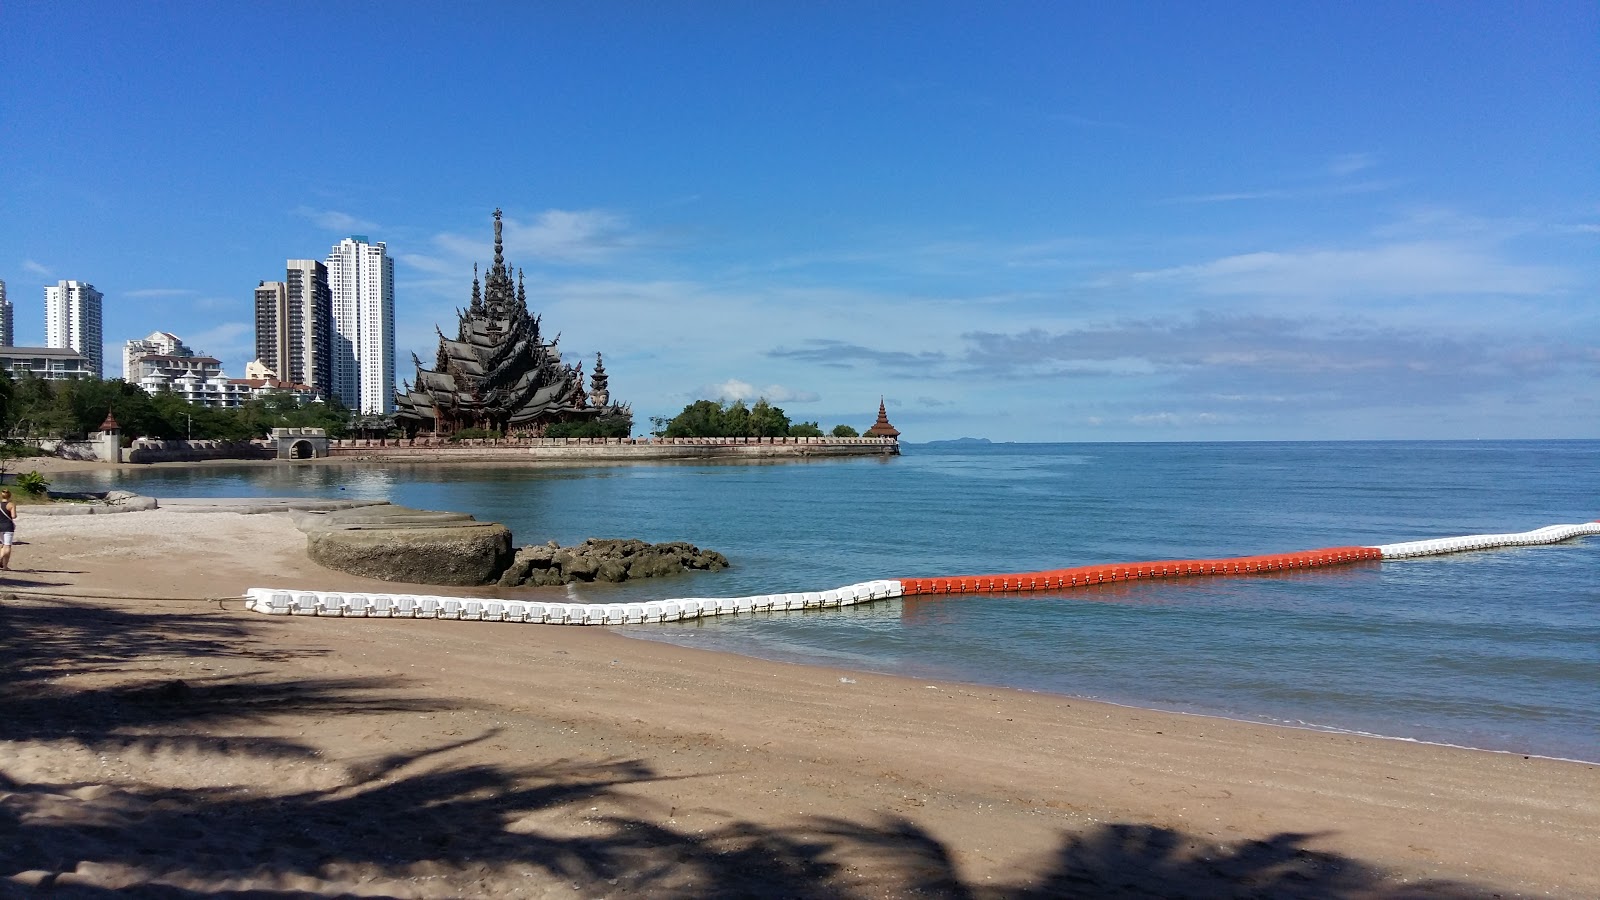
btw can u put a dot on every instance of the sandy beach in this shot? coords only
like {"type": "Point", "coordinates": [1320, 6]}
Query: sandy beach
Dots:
{"type": "Point", "coordinates": [155, 736]}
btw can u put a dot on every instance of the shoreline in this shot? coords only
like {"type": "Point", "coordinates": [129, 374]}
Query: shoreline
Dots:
{"type": "Point", "coordinates": [1126, 705]}
{"type": "Point", "coordinates": [666, 770]}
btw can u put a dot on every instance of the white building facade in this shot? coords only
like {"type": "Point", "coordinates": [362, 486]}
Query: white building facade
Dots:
{"type": "Point", "coordinates": [72, 320]}
{"type": "Point", "coordinates": [361, 284]}
{"type": "Point", "coordinates": [159, 343]}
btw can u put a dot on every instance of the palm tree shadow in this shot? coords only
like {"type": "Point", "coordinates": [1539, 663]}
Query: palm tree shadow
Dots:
{"type": "Point", "coordinates": [50, 647]}
{"type": "Point", "coordinates": [1141, 860]}
{"type": "Point", "coordinates": [1130, 860]}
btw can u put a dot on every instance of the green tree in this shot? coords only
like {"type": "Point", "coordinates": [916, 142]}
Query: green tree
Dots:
{"type": "Point", "coordinates": [87, 400]}
{"type": "Point", "coordinates": [37, 410]}
{"type": "Point", "coordinates": [845, 431]}
{"type": "Point", "coordinates": [805, 429]}
{"type": "Point", "coordinates": [702, 418]}
{"type": "Point", "coordinates": [7, 410]}
{"type": "Point", "coordinates": [735, 420]}
{"type": "Point", "coordinates": [767, 420]}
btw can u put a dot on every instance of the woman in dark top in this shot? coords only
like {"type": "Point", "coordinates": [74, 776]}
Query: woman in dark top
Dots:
{"type": "Point", "coordinates": [8, 527]}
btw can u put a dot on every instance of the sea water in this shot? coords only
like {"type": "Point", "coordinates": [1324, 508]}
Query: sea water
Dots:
{"type": "Point", "coordinates": [1495, 649]}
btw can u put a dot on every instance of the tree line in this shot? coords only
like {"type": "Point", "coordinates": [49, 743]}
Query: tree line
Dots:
{"type": "Point", "coordinates": [32, 407]}
{"type": "Point", "coordinates": [709, 418]}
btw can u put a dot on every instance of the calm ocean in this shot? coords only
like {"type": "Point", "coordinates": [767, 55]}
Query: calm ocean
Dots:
{"type": "Point", "coordinates": [1495, 649]}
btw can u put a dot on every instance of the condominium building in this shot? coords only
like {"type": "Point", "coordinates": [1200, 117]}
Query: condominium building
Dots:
{"type": "Point", "coordinates": [361, 284]}
{"type": "Point", "coordinates": [159, 343]}
{"type": "Point", "coordinates": [72, 321]}
{"type": "Point", "coordinates": [7, 321]}
{"type": "Point", "coordinates": [294, 324]}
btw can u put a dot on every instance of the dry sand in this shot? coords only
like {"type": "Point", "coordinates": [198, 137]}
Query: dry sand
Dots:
{"type": "Point", "coordinates": [157, 740]}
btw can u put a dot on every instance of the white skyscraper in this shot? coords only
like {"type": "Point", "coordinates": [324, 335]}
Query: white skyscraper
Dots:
{"type": "Point", "coordinates": [72, 321]}
{"type": "Point", "coordinates": [361, 281]}
{"type": "Point", "coordinates": [8, 325]}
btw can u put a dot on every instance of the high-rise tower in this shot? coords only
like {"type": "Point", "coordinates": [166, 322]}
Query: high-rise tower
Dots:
{"type": "Point", "coordinates": [8, 326]}
{"type": "Point", "coordinates": [72, 321]}
{"type": "Point", "coordinates": [293, 323]}
{"type": "Point", "coordinates": [361, 282]}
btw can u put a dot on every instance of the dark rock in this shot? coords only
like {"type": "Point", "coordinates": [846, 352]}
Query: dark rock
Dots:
{"type": "Point", "coordinates": [606, 559]}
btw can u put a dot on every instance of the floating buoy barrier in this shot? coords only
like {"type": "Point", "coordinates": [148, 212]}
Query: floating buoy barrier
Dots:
{"type": "Point", "coordinates": [358, 604]}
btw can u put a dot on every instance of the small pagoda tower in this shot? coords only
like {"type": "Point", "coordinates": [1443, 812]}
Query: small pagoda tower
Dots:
{"type": "Point", "coordinates": [107, 440]}
{"type": "Point", "coordinates": [882, 428]}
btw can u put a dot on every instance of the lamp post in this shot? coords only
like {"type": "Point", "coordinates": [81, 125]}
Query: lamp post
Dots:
{"type": "Point", "coordinates": [191, 425]}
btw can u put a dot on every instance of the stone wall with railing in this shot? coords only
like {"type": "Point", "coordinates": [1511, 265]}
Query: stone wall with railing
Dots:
{"type": "Point", "coordinates": [613, 448]}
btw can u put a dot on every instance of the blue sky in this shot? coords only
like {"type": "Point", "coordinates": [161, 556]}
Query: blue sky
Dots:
{"type": "Point", "coordinates": [1024, 221]}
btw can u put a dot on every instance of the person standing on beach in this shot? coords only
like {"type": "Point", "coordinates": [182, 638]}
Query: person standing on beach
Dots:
{"type": "Point", "coordinates": [8, 527]}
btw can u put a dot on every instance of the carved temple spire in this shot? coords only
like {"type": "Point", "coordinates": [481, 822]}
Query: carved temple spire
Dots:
{"type": "Point", "coordinates": [499, 246]}
{"type": "Point", "coordinates": [477, 297]}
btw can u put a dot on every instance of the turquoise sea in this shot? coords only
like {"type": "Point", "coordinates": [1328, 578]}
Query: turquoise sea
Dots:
{"type": "Point", "coordinates": [1493, 649]}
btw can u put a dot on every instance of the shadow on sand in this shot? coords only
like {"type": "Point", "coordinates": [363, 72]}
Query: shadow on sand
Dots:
{"type": "Point", "coordinates": [408, 823]}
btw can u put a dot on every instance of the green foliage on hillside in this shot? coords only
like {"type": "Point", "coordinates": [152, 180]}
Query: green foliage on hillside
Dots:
{"type": "Point", "coordinates": [35, 408]}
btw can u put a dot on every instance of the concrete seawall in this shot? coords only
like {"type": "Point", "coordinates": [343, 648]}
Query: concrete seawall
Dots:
{"type": "Point", "coordinates": [614, 449]}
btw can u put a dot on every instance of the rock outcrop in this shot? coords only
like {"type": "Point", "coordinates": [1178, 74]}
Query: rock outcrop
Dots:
{"type": "Point", "coordinates": [394, 543]}
{"type": "Point", "coordinates": [416, 546]}
{"type": "Point", "coordinates": [603, 559]}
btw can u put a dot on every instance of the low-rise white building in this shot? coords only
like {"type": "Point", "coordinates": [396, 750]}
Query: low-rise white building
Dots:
{"type": "Point", "coordinates": [49, 363]}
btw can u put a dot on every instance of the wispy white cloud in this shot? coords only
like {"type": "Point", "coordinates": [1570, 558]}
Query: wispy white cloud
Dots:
{"type": "Point", "coordinates": [1241, 361]}
{"type": "Point", "coordinates": [224, 340]}
{"type": "Point", "coordinates": [1412, 268]}
{"type": "Point", "coordinates": [735, 389]}
{"type": "Point", "coordinates": [1351, 163]}
{"type": "Point", "coordinates": [1333, 180]}
{"type": "Point", "coordinates": [554, 236]}
{"type": "Point", "coordinates": [159, 293]}
{"type": "Point", "coordinates": [334, 220]}
{"type": "Point", "coordinates": [1181, 419]}
{"type": "Point", "coordinates": [29, 265]}
{"type": "Point", "coordinates": [1309, 192]}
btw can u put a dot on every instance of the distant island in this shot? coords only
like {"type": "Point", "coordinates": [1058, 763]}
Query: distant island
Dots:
{"type": "Point", "coordinates": [958, 442]}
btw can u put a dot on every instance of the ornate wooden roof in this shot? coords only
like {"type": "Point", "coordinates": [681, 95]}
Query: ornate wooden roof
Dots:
{"type": "Point", "coordinates": [499, 372]}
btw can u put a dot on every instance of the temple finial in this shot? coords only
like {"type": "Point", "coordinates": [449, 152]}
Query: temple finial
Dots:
{"type": "Point", "coordinates": [499, 246]}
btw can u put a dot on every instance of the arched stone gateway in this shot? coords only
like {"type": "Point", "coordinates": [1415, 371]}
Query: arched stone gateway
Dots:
{"type": "Point", "coordinates": [300, 443]}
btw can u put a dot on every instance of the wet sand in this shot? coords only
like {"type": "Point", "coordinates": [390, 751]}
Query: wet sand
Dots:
{"type": "Point", "coordinates": [155, 735]}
